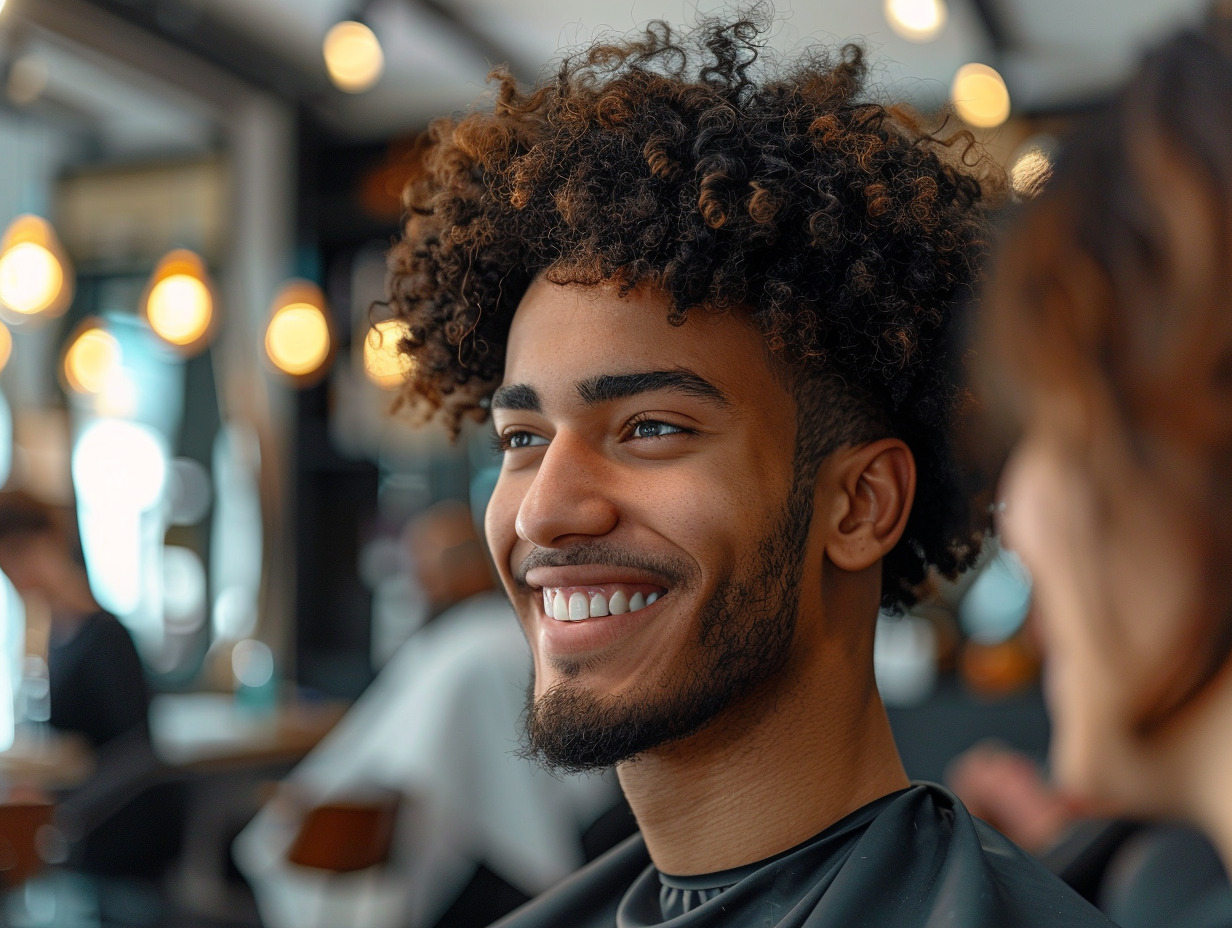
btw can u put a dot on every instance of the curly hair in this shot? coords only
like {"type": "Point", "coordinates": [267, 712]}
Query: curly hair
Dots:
{"type": "Point", "coordinates": [697, 165]}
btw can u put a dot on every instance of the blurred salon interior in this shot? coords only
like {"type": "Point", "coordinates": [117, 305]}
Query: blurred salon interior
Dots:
{"type": "Point", "coordinates": [244, 605]}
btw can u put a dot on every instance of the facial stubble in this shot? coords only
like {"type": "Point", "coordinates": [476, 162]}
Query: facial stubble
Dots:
{"type": "Point", "coordinates": [744, 638]}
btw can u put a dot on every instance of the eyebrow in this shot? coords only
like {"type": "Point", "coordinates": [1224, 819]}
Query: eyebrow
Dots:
{"type": "Point", "coordinates": [517, 396]}
{"type": "Point", "coordinates": [604, 388]}
{"type": "Point", "coordinates": [607, 387]}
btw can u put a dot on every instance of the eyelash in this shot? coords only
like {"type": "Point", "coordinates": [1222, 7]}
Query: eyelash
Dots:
{"type": "Point", "coordinates": [643, 418]}
{"type": "Point", "coordinates": [502, 443]}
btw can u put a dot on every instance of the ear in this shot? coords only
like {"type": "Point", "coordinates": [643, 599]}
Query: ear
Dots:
{"type": "Point", "coordinates": [875, 486]}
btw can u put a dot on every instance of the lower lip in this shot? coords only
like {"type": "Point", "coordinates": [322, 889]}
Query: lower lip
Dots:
{"type": "Point", "coordinates": [590, 635]}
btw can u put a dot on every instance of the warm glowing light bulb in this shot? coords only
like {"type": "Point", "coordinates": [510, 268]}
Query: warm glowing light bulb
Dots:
{"type": "Point", "coordinates": [6, 345]}
{"type": "Point", "coordinates": [980, 96]}
{"type": "Point", "coordinates": [91, 360]}
{"type": "Point", "coordinates": [916, 20]}
{"type": "Point", "coordinates": [384, 363]}
{"type": "Point", "coordinates": [178, 304]}
{"type": "Point", "coordinates": [353, 56]}
{"type": "Point", "coordinates": [297, 339]}
{"type": "Point", "coordinates": [34, 277]}
{"type": "Point", "coordinates": [180, 309]}
{"type": "Point", "coordinates": [30, 278]}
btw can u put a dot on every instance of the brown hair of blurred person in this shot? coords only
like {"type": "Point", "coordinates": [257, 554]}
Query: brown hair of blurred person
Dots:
{"type": "Point", "coordinates": [450, 561]}
{"type": "Point", "coordinates": [1109, 332]}
{"type": "Point", "coordinates": [38, 553]}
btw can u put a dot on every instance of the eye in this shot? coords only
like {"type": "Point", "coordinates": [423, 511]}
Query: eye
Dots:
{"type": "Point", "coordinates": [653, 428]}
{"type": "Point", "coordinates": [513, 440]}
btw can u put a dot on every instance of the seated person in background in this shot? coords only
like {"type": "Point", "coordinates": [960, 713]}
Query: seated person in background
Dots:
{"type": "Point", "coordinates": [121, 826]}
{"type": "Point", "coordinates": [707, 303]}
{"type": "Point", "coordinates": [1108, 341]}
{"type": "Point", "coordinates": [478, 830]}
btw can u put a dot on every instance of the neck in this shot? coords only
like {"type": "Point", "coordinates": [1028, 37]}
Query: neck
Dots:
{"type": "Point", "coordinates": [1198, 758]}
{"type": "Point", "coordinates": [769, 773]}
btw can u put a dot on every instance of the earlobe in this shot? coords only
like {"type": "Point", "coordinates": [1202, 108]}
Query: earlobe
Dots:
{"type": "Point", "coordinates": [876, 484]}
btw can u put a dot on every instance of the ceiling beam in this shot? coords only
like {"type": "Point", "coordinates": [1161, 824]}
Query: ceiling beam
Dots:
{"type": "Point", "coordinates": [992, 20]}
{"type": "Point", "coordinates": [187, 28]}
{"type": "Point", "coordinates": [463, 26]}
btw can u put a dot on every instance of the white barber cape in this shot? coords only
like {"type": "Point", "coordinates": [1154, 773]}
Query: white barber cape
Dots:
{"type": "Point", "coordinates": [440, 724]}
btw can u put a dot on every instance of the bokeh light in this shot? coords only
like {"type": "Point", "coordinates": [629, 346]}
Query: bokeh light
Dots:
{"type": "Point", "coordinates": [118, 464]}
{"type": "Point", "coordinates": [384, 364]}
{"type": "Point", "coordinates": [253, 663]}
{"type": "Point", "coordinates": [298, 340]}
{"type": "Point", "coordinates": [980, 96]}
{"type": "Point", "coordinates": [6, 345]}
{"type": "Point", "coordinates": [34, 276]}
{"type": "Point", "coordinates": [916, 20]}
{"type": "Point", "coordinates": [353, 56]}
{"type": "Point", "coordinates": [92, 358]}
{"type": "Point", "coordinates": [190, 492]}
{"type": "Point", "coordinates": [28, 78]}
{"type": "Point", "coordinates": [179, 306]}
{"type": "Point", "coordinates": [184, 588]}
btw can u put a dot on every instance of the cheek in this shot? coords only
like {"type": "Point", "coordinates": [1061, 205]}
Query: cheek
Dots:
{"type": "Point", "coordinates": [500, 523]}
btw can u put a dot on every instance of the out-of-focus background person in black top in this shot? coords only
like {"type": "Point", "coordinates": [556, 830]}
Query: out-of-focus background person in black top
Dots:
{"type": "Point", "coordinates": [121, 823]}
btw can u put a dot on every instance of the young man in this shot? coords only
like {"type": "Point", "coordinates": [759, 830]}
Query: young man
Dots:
{"type": "Point", "coordinates": [707, 307]}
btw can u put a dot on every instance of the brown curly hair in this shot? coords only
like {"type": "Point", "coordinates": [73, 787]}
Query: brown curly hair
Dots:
{"type": "Point", "coordinates": [694, 164]}
{"type": "Point", "coordinates": [1110, 296]}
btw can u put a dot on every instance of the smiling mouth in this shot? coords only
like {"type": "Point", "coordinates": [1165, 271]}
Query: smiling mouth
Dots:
{"type": "Point", "coordinates": [575, 604]}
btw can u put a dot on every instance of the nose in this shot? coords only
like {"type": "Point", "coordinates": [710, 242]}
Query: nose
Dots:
{"type": "Point", "coordinates": [572, 496]}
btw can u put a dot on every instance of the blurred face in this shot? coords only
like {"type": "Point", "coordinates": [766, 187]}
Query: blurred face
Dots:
{"type": "Point", "coordinates": [27, 561]}
{"type": "Point", "coordinates": [1113, 550]}
{"type": "Point", "coordinates": [647, 524]}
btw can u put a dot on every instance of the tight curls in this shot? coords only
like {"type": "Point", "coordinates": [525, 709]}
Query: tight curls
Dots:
{"type": "Point", "coordinates": [691, 164]}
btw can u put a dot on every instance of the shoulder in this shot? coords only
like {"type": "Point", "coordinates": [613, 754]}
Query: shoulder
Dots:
{"type": "Point", "coordinates": [589, 898]}
{"type": "Point", "coordinates": [962, 869]}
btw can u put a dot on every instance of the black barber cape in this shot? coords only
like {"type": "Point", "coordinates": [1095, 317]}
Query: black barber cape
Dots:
{"type": "Point", "coordinates": [912, 859]}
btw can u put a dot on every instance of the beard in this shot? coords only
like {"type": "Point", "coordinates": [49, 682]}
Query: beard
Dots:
{"type": "Point", "coordinates": [744, 637]}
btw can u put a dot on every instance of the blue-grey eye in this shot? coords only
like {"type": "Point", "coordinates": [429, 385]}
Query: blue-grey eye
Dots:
{"type": "Point", "coordinates": [655, 429]}
{"type": "Point", "coordinates": [524, 440]}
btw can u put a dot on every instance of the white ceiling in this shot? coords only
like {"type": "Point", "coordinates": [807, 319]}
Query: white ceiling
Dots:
{"type": "Point", "coordinates": [1057, 51]}
{"type": "Point", "coordinates": [1060, 50]}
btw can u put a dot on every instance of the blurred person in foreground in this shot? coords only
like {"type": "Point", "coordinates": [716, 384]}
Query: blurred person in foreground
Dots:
{"type": "Point", "coordinates": [1108, 338]}
{"type": "Point", "coordinates": [425, 755]}
{"type": "Point", "coordinates": [707, 303]}
{"type": "Point", "coordinates": [124, 824]}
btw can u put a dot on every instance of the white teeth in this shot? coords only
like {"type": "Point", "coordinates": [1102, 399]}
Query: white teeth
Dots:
{"type": "Point", "coordinates": [579, 607]}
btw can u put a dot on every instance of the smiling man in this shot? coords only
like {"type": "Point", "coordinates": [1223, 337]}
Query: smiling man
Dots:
{"type": "Point", "coordinates": [707, 304]}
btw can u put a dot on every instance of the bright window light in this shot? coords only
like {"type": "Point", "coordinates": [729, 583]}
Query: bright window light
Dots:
{"type": "Point", "coordinates": [119, 465]}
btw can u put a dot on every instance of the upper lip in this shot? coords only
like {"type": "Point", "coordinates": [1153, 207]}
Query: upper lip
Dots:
{"type": "Point", "coordinates": [589, 575]}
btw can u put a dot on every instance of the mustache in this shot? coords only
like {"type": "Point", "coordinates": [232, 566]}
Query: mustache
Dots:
{"type": "Point", "coordinates": [673, 570]}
